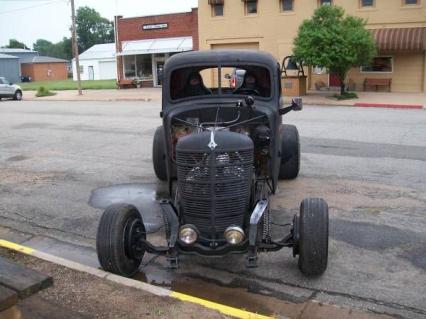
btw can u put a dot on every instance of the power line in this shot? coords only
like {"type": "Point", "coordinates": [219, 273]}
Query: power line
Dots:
{"type": "Point", "coordinates": [46, 2]}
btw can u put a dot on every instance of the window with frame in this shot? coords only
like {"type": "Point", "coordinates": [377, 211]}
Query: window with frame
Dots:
{"type": "Point", "coordinates": [287, 5]}
{"type": "Point", "coordinates": [217, 10]}
{"type": "Point", "coordinates": [411, 2]}
{"type": "Point", "coordinates": [325, 2]}
{"type": "Point", "coordinates": [250, 7]}
{"type": "Point", "coordinates": [81, 69]}
{"type": "Point", "coordinates": [366, 3]}
{"type": "Point", "coordinates": [380, 64]}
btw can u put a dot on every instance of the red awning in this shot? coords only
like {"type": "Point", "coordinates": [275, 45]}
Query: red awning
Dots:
{"type": "Point", "coordinates": [216, 2]}
{"type": "Point", "coordinates": [400, 39]}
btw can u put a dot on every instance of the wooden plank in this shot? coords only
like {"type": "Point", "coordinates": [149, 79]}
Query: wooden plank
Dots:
{"type": "Point", "coordinates": [8, 298]}
{"type": "Point", "coordinates": [23, 280]}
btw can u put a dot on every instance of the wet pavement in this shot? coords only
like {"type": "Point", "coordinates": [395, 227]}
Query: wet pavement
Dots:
{"type": "Point", "coordinates": [62, 163]}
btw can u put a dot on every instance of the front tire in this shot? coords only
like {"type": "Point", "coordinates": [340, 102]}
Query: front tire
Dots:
{"type": "Point", "coordinates": [116, 240]}
{"type": "Point", "coordinates": [313, 236]}
{"type": "Point", "coordinates": [290, 152]}
{"type": "Point", "coordinates": [159, 155]}
{"type": "Point", "coordinates": [18, 95]}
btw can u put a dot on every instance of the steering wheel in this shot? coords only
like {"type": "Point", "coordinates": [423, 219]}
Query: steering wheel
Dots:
{"type": "Point", "coordinates": [246, 91]}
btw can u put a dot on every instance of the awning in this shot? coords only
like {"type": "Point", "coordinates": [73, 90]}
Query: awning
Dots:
{"type": "Point", "coordinates": [400, 39]}
{"type": "Point", "coordinates": [211, 2]}
{"type": "Point", "coordinates": [162, 45]}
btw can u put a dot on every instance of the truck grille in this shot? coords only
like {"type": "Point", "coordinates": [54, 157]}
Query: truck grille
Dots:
{"type": "Point", "coordinates": [214, 187]}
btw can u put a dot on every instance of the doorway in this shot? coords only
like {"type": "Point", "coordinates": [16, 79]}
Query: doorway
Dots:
{"type": "Point", "coordinates": [91, 72]}
{"type": "Point", "coordinates": [158, 67]}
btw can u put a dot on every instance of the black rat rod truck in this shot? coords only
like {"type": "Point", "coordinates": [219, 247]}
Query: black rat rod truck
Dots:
{"type": "Point", "coordinates": [222, 150]}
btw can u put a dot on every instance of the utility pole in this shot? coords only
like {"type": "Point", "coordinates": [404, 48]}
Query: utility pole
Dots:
{"type": "Point", "coordinates": [75, 48]}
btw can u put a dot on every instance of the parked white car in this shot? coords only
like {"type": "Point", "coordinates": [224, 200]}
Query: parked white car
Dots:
{"type": "Point", "coordinates": [9, 90]}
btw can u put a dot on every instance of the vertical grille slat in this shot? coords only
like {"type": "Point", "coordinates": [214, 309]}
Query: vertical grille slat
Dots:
{"type": "Point", "coordinates": [214, 185]}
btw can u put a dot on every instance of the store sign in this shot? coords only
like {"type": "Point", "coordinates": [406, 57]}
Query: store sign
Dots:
{"type": "Point", "coordinates": [155, 26]}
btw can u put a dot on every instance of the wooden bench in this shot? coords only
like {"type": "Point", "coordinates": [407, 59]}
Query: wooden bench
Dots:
{"type": "Point", "coordinates": [377, 83]}
{"type": "Point", "coordinates": [125, 83]}
{"type": "Point", "coordinates": [19, 282]}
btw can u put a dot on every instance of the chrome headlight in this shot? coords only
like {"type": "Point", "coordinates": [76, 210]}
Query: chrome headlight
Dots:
{"type": "Point", "coordinates": [234, 235]}
{"type": "Point", "coordinates": [188, 234]}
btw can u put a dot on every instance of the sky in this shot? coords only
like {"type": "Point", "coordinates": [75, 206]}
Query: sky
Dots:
{"type": "Point", "coordinates": [29, 20]}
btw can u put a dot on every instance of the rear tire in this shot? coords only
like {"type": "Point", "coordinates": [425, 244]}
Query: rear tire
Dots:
{"type": "Point", "coordinates": [313, 236]}
{"type": "Point", "coordinates": [112, 238]}
{"type": "Point", "coordinates": [159, 155]}
{"type": "Point", "coordinates": [18, 95]}
{"type": "Point", "coordinates": [290, 152]}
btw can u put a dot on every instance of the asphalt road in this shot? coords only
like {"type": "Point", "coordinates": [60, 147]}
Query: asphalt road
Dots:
{"type": "Point", "coordinates": [369, 164]}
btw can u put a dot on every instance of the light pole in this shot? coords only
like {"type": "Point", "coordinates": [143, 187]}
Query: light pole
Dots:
{"type": "Point", "coordinates": [75, 48]}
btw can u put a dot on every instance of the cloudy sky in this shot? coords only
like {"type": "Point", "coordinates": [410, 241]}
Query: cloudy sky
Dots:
{"type": "Point", "coordinates": [29, 20]}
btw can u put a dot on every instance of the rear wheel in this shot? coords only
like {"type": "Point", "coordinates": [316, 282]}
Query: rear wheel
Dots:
{"type": "Point", "coordinates": [18, 95]}
{"type": "Point", "coordinates": [312, 228]}
{"type": "Point", "coordinates": [117, 240]}
{"type": "Point", "coordinates": [159, 155]}
{"type": "Point", "coordinates": [290, 152]}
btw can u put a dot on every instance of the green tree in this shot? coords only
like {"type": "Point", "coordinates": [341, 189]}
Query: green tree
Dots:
{"type": "Point", "coordinates": [15, 44]}
{"type": "Point", "coordinates": [92, 28]}
{"type": "Point", "coordinates": [61, 49]}
{"type": "Point", "coordinates": [335, 41]}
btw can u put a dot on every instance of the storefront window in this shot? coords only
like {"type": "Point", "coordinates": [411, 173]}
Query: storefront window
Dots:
{"type": "Point", "coordinates": [379, 64]}
{"type": "Point", "coordinates": [129, 66]}
{"type": "Point", "coordinates": [138, 66]}
{"type": "Point", "coordinates": [144, 67]}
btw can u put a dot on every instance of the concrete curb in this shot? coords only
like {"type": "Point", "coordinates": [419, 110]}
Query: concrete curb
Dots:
{"type": "Point", "coordinates": [158, 291]}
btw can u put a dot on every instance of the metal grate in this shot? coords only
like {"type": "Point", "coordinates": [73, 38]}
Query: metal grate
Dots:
{"type": "Point", "coordinates": [214, 188]}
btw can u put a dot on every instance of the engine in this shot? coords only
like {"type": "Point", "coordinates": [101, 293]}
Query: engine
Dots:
{"type": "Point", "coordinates": [214, 173]}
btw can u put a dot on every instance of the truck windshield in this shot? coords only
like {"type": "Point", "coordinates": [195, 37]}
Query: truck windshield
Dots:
{"type": "Point", "coordinates": [226, 80]}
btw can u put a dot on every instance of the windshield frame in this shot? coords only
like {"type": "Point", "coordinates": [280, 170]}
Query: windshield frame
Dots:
{"type": "Point", "coordinates": [219, 66]}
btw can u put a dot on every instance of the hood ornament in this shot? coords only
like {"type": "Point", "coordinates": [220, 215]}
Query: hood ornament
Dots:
{"type": "Point", "coordinates": [212, 144]}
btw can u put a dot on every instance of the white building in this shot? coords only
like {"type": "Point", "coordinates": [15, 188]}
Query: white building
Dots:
{"type": "Point", "coordinates": [97, 63]}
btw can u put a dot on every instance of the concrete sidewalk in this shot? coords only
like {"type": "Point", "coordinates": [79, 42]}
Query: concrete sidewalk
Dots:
{"type": "Point", "coordinates": [378, 99]}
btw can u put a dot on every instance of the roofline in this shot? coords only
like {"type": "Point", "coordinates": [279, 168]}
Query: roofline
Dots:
{"type": "Point", "coordinates": [158, 15]}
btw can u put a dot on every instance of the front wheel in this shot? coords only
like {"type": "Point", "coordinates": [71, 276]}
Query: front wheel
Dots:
{"type": "Point", "coordinates": [312, 228]}
{"type": "Point", "coordinates": [290, 152]}
{"type": "Point", "coordinates": [159, 155]}
{"type": "Point", "coordinates": [117, 241]}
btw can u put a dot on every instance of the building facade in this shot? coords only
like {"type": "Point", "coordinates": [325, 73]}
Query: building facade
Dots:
{"type": "Point", "coordinates": [44, 68]}
{"type": "Point", "coordinates": [97, 63]}
{"type": "Point", "coordinates": [398, 26]}
{"type": "Point", "coordinates": [143, 44]}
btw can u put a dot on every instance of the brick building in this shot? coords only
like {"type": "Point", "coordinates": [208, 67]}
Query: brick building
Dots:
{"type": "Point", "coordinates": [44, 68]}
{"type": "Point", "coordinates": [143, 44]}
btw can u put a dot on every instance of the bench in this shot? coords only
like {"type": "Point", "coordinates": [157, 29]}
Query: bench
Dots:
{"type": "Point", "coordinates": [125, 83]}
{"type": "Point", "coordinates": [19, 282]}
{"type": "Point", "coordinates": [377, 82]}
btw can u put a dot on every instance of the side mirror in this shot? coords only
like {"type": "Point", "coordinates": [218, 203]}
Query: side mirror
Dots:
{"type": "Point", "coordinates": [227, 76]}
{"type": "Point", "coordinates": [297, 104]}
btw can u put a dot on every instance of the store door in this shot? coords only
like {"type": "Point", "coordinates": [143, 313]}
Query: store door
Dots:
{"type": "Point", "coordinates": [158, 72]}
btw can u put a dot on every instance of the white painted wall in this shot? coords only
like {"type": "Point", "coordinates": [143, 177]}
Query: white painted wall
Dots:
{"type": "Point", "coordinates": [102, 69]}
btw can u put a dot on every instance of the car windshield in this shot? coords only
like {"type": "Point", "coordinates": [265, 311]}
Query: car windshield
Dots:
{"type": "Point", "coordinates": [220, 81]}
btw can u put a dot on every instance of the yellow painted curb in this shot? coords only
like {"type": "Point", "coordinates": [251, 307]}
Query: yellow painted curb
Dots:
{"type": "Point", "coordinates": [227, 310]}
{"type": "Point", "coordinates": [17, 247]}
{"type": "Point", "coordinates": [230, 311]}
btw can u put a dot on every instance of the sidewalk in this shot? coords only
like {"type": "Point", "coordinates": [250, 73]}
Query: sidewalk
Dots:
{"type": "Point", "coordinates": [376, 99]}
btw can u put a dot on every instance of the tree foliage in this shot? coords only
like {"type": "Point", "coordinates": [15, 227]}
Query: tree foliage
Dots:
{"type": "Point", "coordinates": [15, 44]}
{"type": "Point", "coordinates": [335, 41]}
{"type": "Point", "coordinates": [61, 49]}
{"type": "Point", "coordinates": [92, 28]}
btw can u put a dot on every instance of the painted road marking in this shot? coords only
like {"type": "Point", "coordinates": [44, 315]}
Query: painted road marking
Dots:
{"type": "Point", "coordinates": [161, 292]}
